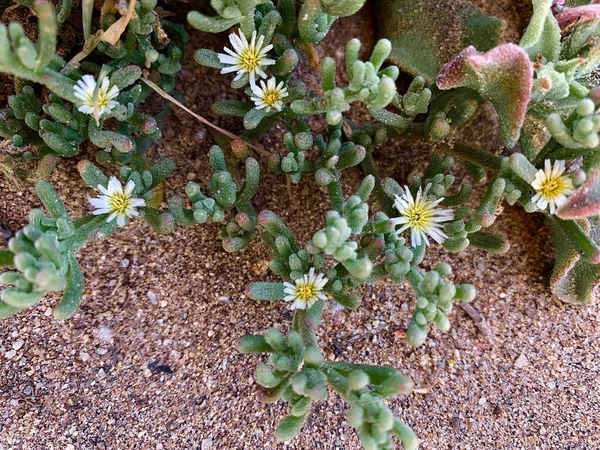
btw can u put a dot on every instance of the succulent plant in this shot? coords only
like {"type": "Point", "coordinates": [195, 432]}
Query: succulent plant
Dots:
{"type": "Point", "coordinates": [542, 89]}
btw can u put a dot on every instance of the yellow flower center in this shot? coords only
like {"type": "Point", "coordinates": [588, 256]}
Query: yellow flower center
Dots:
{"type": "Point", "coordinates": [305, 292]}
{"type": "Point", "coordinates": [249, 59]}
{"type": "Point", "coordinates": [552, 187]}
{"type": "Point", "coordinates": [418, 216]}
{"type": "Point", "coordinates": [102, 99]}
{"type": "Point", "coordinates": [118, 202]}
{"type": "Point", "coordinates": [271, 97]}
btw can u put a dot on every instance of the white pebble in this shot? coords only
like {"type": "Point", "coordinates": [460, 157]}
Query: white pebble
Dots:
{"type": "Point", "coordinates": [152, 297]}
{"type": "Point", "coordinates": [10, 355]}
{"type": "Point", "coordinates": [521, 361]}
{"type": "Point", "coordinates": [85, 357]}
{"type": "Point", "coordinates": [101, 374]}
{"type": "Point", "coordinates": [482, 401]}
{"type": "Point", "coordinates": [207, 443]}
{"type": "Point", "coordinates": [18, 344]}
{"type": "Point", "coordinates": [105, 334]}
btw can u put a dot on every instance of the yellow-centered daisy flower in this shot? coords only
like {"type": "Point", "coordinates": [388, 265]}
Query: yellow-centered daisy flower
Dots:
{"type": "Point", "coordinates": [269, 95]}
{"type": "Point", "coordinates": [306, 290]}
{"type": "Point", "coordinates": [84, 90]}
{"type": "Point", "coordinates": [116, 201]}
{"type": "Point", "coordinates": [552, 186]}
{"type": "Point", "coordinates": [246, 57]}
{"type": "Point", "coordinates": [421, 216]}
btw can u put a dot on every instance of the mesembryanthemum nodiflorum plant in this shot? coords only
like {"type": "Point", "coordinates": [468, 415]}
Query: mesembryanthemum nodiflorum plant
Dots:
{"type": "Point", "coordinates": [542, 89]}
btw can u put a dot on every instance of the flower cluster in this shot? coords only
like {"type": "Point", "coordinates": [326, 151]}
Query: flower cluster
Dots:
{"type": "Point", "coordinates": [251, 58]}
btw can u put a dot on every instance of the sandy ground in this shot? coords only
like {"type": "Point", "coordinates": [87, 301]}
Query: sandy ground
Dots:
{"type": "Point", "coordinates": [149, 361]}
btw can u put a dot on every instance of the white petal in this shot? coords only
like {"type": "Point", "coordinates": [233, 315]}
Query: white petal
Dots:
{"type": "Point", "coordinates": [99, 202]}
{"type": "Point", "coordinates": [137, 202]}
{"type": "Point", "coordinates": [129, 187]}
{"type": "Point", "coordinates": [114, 186]}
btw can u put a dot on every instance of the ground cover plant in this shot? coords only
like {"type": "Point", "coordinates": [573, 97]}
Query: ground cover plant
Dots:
{"type": "Point", "coordinates": [542, 89]}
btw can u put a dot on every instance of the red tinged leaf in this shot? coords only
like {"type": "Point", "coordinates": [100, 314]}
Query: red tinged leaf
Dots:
{"type": "Point", "coordinates": [572, 16]}
{"type": "Point", "coordinates": [585, 202]}
{"type": "Point", "coordinates": [574, 280]}
{"type": "Point", "coordinates": [503, 75]}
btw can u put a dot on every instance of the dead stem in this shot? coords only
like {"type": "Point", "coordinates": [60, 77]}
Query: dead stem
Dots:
{"type": "Point", "coordinates": [259, 148]}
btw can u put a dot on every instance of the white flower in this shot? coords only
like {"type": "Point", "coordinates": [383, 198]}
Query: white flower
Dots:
{"type": "Point", "coordinates": [269, 96]}
{"type": "Point", "coordinates": [306, 290]}
{"type": "Point", "coordinates": [551, 186]}
{"type": "Point", "coordinates": [246, 57]}
{"type": "Point", "coordinates": [421, 216]}
{"type": "Point", "coordinates": [116, 201]}
{"type": "Point", "coordinates": [84, 90]}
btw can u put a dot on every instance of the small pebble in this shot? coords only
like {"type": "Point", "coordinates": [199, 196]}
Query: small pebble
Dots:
{"type": "Point", "coordinates": [482, 401]}
{"type": "Point", "coordinates": [18, 344]}
{"type": "Point", "coordinates": [28, 390]}
{"type": "Point", "coordinates": [201, 135]}
{"type": "Point", "coordinates": [521, 361]}
{"type": "Point", "coordinates": [224, 299]}
{"type": "Point", "coordinates": [101, 374]}
{"type": "Point", "coordinates": [125, 263]}
{"type": "Point", "coordinates": [105, 334]}
{"type": "Point", "coordinates": [11, 354]}
{"type": "Point", "coordinates": [207, 444]}
{"type": "Point", "coordinates": [152, 297]}
{"type": "Point", "coordinates": [191, 176]}
{"type": "Point", "coordinates": [85, 357]}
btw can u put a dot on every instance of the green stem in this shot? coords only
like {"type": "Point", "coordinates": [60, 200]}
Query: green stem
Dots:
{"type": "Point", "coordinates": [567, 153]}
{"type": "Point", "coordinates": [545, 152]}
{"type": "Point", "coordinates": [336, 195]}
{"type": "Point", "coordinates": [369, 167]}
{"type": "Point", "coordinates": [473, 155]}
{"type": "Point", "coordinates": [414, 277]}
{"type": "Point", "coordinates": [7, 258]}
{"type": "Point", "coordinates": [306, 321]}
{"type": "Point", "coordinates": [377, 374]}
{"type": "Point", "coordinates": [591, 160]}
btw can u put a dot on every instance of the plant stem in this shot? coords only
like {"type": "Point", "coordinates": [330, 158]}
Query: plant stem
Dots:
{"type": "Point", "coordinates": [473, 155]}
{"type": "Point", "coordinates": [545, 152]}
{"type": "Point", "coordinates": [306, 322]}
{"type": "Point", "coordinates": [336, 195]}
{"type": "Point", "coordinates": [414, 277]}
{"type": "Point", "coordinates": [369, 167]}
